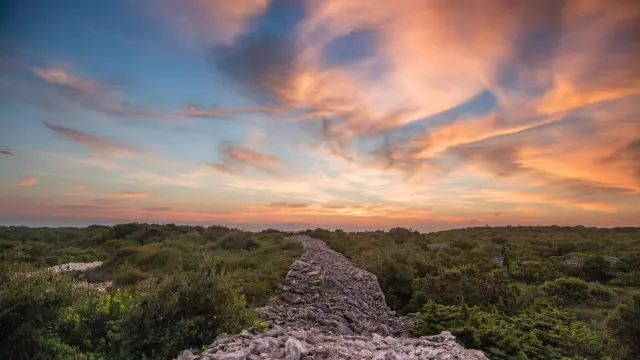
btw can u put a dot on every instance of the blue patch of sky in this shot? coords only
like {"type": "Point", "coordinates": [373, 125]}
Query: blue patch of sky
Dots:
{"type": "Point", "coordinates": [280, 18]}
{"type": "Point", "coordinates": [355, 46]}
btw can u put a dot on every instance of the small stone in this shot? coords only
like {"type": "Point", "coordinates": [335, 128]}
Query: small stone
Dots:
{"type": "Point", "coordinates": [294, 348]}
{"type": "Point", "coordinates": [391, 355]}
{"type": "Point", "coordinates": [365, 354]}
{"type": "Point", "coordinates": [265, 345]}
{"type": "Point", "coordinates": [291, 298]}
{"type": "Point", "coordinates": [185, 355]}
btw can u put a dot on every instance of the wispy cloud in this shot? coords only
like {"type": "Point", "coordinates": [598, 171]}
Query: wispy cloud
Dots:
{"type": "Point", "coordinates": [5, 150]}
{"type": "Point", "coordinates": [94, 95]}
{"type": "Point", "coordinates": [76, 190]}
{"type": "Point", "coordinates": [97, 144]}
{"type": "Point", "coordinates": [211, 22]}
{"type": "Point", "coordinates": [224, 113]}
{"type": "Point", "coordinates": [27, 181]}
{"type": "Point", "coordinates": [238, 158]}
{"type": "Point", "coordinates": [132, 194]}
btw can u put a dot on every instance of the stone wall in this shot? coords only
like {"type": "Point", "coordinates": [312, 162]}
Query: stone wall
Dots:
{"type": "Point", "coordinates": [331, 309]}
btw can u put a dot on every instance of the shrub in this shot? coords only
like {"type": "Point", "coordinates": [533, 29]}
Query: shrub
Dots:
{"type": "Point", "coordinates": [532, 272]}
{"type": "Point", "coordinates": [576, 290]}
{"type": "Point", "coordinates": [121, 231]}
{"type": "Point", "coordinates": [455, 285]}
{"type": "Point", "coordinates": [146, 258]}
{"type": "Point", "coordinates": [130, 277]}
{"type": "Point", "coordinates": [237, 240]}
{"type": "Point", "coordinates": [185, 311]}
{"type": "Point", "coordinates": [29, 306]}
{"type": "Point", "coordinates": [540, 332]}
{"type": "Point", "coordinates": [115, 244]}
{"type": "Point", "coordinates": [90, 323]}
{"type": "Point", "coordinates": [624, 324]}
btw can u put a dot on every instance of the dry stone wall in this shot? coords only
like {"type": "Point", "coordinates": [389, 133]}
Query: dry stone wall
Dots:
{"type": "Point", "coordinates": [331, 309]}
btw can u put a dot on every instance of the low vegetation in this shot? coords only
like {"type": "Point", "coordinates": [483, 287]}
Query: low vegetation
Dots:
{"type": "Point", "coordinates": [174, 287]}
{"type": "Point", "coordinates": [512, 292]}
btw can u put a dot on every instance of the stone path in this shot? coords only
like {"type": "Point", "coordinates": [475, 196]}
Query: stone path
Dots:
{"type": "Point", "coordinates": [326, 290]}
{"type": "Point", "coordinates": [331, 309]}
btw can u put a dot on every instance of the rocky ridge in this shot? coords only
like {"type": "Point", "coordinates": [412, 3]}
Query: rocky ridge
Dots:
{"type": "Point", "coordinates": [331, 309]}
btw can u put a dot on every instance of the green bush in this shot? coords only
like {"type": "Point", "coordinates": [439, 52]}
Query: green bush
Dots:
{"type": "Point", "coordinates": [237, 240]}
{"type": "Point", "coordinates": [184, 311]}
{"type": "Point", "coordinates": [30, 306]}
{"type": "Point", "coordinates": [576, 290]}
{"type": "Point", "coordinates": [462, 284]}
{"type": "Point", "coordinates": [115, 244]}
{"type": "Point", "coordinates": [630, 279]}
{"type": "Point", "coordinates": [146, 258]}
{"type": "Point", "coordinates": [540, 332]}
{"type": "Point", "coordinates": [90, 323]}
{"type": "Point", "coordinates": [532, 272]}
{"type": "Point", "coordinates": [130, 277]}
{"type": "Point", "coordinates": [624, 323]}
{"type": "Point", "coordinates": [121, 231]}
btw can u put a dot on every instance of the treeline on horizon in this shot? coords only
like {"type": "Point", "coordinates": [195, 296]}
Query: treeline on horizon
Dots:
{"type": "Point", "coordinates": [513, 292]}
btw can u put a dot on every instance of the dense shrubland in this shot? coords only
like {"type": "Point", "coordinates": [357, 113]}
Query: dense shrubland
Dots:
{"type": "Point", "coordinates": [174, 287]}
{"type": "Point", "coordinates": [514, 292]}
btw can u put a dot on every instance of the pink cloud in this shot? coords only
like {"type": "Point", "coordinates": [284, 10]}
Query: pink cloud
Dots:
{"type": "Point", "coordinates": [27, 181]}
{"type": "Point", "coordinates": [238, 158]}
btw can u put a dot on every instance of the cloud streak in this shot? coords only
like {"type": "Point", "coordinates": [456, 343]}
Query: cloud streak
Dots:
{"type": "Point", "coordinates": [238, 159]}
{"type": "Point", "coordinates": [97, 144]}
{"type": "Point", "coordinates": [92, 94]}
{"type": "Point", "coordinates": [27, 181]}
{"type": "Point", "coordinates": [5, 150]}
{"type": "Point", "coordinates": [132, 194]}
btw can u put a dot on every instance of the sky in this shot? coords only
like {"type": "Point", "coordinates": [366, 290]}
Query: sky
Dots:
{"type": "Point", "coordinates": [353, 114]}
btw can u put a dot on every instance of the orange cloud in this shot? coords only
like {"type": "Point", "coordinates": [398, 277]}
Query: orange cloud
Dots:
{"type": "Point", "coordinates": [27, 181]}
{"type": "Point", "coordinates": [350, 210]}
{"type": "Point", "coordinates": [132, 194]}
{"type": "Point", "coordinates": [597, 58]}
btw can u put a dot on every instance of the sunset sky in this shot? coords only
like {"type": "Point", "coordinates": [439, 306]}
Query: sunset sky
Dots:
{"type": "Point", "coordinates": [334, 113]}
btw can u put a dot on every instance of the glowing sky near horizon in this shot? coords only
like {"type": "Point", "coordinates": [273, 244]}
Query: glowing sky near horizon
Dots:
{"type": "Point", "coordinates": [356, 114]}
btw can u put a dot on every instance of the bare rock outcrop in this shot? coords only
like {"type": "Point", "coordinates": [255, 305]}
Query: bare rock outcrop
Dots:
{"type": "Point", "coordinates": [82, 267]}
{"type": "Point", "coordinates": [331, 309]}
{"type": "Point", "coordinates": [75, 266]}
